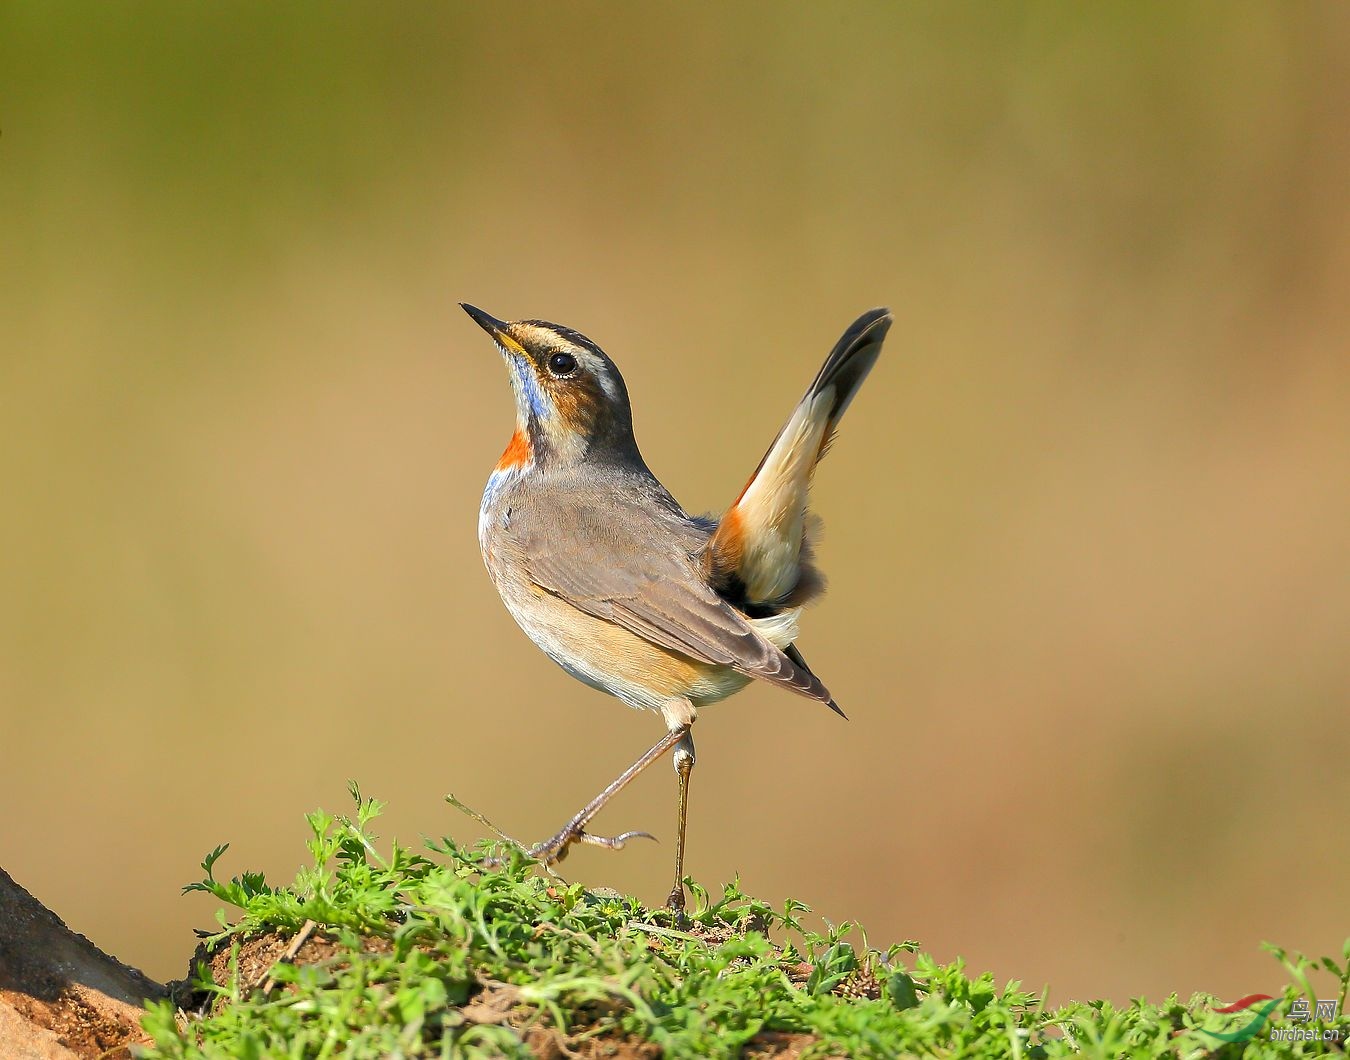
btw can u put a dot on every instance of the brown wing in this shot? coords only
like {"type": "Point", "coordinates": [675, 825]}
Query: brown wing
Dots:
{"type": "Point", "coordinates": [626, 555]}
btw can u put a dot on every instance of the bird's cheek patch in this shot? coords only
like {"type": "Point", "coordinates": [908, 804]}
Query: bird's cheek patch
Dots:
{"type": "Point", "coordinates": [578, 405]}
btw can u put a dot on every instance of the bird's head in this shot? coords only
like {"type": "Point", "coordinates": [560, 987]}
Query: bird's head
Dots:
{"type": "Point", "coordinates": [571, 402]}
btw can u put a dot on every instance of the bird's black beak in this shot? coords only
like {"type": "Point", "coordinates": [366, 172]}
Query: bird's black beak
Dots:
{"type": "Point", "coordinates": [488, 323]}
{"type": "Point", "coordinates": [498, 329]}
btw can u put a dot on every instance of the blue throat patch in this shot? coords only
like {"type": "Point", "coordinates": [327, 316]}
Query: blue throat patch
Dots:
{"type": "Point", "coordinates": [529, 386]}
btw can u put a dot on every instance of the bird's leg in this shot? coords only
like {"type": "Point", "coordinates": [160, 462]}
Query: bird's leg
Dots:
{"type": "Point", "coordinates": [574, 831]}
{"type": "Point", "coordinates": [684, 765]}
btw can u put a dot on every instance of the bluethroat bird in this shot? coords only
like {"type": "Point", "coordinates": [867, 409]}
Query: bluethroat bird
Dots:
{"type": "Point", "coordinates": [603, 570]}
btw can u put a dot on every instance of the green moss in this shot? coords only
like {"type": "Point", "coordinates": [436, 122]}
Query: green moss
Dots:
{"type": "Point", "coordinates": [443, 955]}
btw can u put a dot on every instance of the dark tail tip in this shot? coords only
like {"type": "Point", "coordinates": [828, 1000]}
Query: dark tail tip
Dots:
{"type": "Point", "coordinates": [796, 656]}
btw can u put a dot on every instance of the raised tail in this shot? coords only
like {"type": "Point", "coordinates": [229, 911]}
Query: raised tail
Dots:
{"type": "Point", "coordinates": [759, 556]}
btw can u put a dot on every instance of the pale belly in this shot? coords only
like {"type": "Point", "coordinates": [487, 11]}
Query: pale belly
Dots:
{"type": "Point", "coordinates": [608, 657]}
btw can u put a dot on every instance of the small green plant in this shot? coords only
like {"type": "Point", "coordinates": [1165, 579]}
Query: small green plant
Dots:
{"type": "Point", "coordinates": [476, 952]}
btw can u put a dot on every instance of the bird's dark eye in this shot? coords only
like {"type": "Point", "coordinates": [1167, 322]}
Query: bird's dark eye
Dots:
{"type": "Point", "coordinates": [562, 364]}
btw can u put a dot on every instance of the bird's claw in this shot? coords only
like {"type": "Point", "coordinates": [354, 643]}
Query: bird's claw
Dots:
{"type": "Point", "coordinates": [616, 842]}
{"type": "Point", "coordinates": [554, 850]}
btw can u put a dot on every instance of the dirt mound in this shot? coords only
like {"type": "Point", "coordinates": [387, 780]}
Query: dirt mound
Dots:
{"type": "Point", "coordinates": [63, 998]}
{"type": "Point", "coordinates": [60, 995]}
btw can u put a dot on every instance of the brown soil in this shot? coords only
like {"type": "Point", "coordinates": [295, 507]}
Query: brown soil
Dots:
{"type": "Point", "coordinates": [60, 995]}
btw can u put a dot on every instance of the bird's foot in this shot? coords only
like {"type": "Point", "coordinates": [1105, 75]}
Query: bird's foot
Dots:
{"type": "Point", "coordinates": [552, 851]}
{"type": "Point", "coordinates": [675, 903]}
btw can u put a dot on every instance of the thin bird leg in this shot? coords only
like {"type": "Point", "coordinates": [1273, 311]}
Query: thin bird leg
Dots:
{"type": "Point", "coordinates": [684, 765]}
{"type": "Point", "coordinates": [574, 831]}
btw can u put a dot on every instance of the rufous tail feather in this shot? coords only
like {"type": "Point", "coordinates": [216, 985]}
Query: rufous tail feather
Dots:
{"type": "Point", "coordinates": [759, 556]}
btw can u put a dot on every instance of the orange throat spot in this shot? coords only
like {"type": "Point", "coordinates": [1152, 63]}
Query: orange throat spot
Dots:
{"type": "Point", "coordinates": [517, 452]}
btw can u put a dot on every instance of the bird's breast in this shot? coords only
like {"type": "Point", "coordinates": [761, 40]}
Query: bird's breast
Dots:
{"type": "Point", "coordinates": [494, 512]}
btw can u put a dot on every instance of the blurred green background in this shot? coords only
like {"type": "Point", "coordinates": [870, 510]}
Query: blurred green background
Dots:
{"type": "Point", "coordinates": [1086, 525]}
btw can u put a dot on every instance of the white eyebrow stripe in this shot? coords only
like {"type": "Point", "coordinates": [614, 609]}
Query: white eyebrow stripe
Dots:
{"type": "Point", "coordinates": [587, 357]}
{"type": "Point", "coordinates": [598, 368]}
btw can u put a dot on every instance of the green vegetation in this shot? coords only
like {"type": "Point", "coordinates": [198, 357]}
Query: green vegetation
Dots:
{"type": "Point", "coordinates": [443, 955]}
